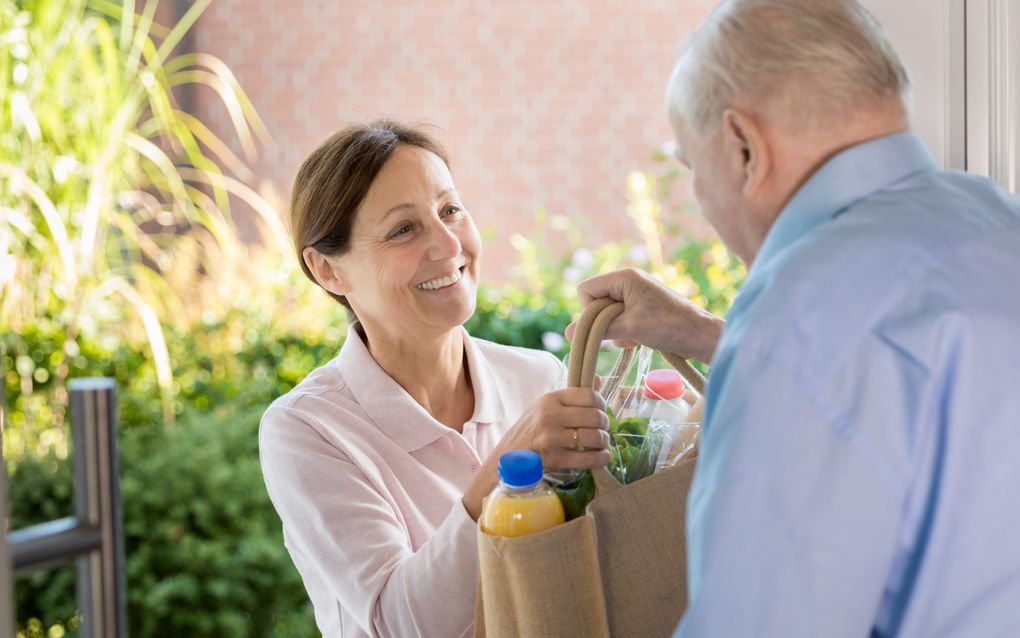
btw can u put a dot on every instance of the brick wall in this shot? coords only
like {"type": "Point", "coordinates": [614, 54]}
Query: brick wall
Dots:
{"type": "Point", "coordinates": [541, 104]}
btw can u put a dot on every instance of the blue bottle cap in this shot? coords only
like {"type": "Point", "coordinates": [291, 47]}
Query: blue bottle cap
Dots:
{"type": "Point", "coordinates": [520, 468]}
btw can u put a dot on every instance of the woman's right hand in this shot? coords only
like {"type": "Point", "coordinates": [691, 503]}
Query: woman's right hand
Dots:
{"type": "Point", "coordinates": [548, 428]}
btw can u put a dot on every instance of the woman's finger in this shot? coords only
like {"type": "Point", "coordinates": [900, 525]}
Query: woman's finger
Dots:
{"type": "Point", "coordinates": [580, 398]}
{"type": "Point", "coordinates": [573, 460]}
{"type": "Point", "coordinates": [585, 438]}
{"type": "Point", "coordinates": [581, 418]}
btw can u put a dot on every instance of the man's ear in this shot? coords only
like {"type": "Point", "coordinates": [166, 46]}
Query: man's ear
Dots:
{"type": "Point", "coordinates": [326, 271]}
{"type": "Point", "coordinates": [748, 150]}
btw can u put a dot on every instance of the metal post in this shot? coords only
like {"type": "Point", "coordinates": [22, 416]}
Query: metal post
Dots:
{"type": "Point", "coordinates": [97, 506]}
{"type": "Point", "coordinates": [93, 536]}
{"type": "Point", "coordinates": [6, 569]}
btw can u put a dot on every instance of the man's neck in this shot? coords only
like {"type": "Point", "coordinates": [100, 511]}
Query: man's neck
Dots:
{"type": "Point", "coordinates": [799, 156]}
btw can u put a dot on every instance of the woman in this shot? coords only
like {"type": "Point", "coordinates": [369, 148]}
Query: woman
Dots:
{"type": "Point", "coordinates": [378, 461]}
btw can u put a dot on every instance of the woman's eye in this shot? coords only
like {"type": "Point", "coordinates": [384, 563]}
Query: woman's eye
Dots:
{"type": "Point", "coordinates": [403, 230]}
{"type": "Point", "coordinates": [454, 211]}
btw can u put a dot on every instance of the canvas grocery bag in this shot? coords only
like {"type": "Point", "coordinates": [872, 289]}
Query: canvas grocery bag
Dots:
{"type": "Point", "coordinates": [619, 570]}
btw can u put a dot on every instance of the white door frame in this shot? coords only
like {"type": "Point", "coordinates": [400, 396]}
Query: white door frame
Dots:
{"type": "Point", "coordinates": [963, 57]}
{"type": "Point", "coordinates": [992, 80]}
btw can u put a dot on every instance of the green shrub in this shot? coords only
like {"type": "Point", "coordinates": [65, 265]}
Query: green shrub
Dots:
{"type": "Point", "coordinates": [203, 545]}
{"type": "Point", "coordinates": [204, 552]}
{"type": "Point", "coordinates": [230, 361]}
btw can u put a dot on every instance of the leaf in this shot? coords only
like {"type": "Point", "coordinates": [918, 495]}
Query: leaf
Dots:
{"type": "Point", "coordinates": [575, 495]}
{"type": "Point", "coordinates": [21, 183]}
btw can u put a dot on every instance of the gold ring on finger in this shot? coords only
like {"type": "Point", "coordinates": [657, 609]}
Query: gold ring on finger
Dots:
{"type": "Point", "coordinates": [576, 446]}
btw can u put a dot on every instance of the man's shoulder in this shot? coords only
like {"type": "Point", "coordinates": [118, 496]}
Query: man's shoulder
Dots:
{"type": "Point", "coordinates": [905, 253]}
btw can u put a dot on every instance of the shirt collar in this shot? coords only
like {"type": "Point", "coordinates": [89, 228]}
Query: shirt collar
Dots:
{"type": "Point", "coordinates": [489, 407]}
{"type": "Point", "coordinates": [394, 411]}
{"type": "Point", "coordinates": [849, 176]}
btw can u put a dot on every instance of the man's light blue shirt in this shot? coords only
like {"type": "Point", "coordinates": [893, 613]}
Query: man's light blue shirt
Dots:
{"type": "Point", "coordinates": [860, 464]}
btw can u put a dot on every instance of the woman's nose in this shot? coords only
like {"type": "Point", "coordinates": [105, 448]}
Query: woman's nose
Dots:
{"type": "Point", "coordinates": [443, 242]}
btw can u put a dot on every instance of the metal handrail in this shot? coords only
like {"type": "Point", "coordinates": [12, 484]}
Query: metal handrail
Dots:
{"type": "Point", "coordinates": [51, 544]}
{"type": "Point", "coordinates": [94, 535]}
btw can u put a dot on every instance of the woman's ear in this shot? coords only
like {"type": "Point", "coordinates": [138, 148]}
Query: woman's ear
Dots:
{"type": "Point", "coordinates": [326, 271]}
{"type": "Point", "coordinates": [748, 149]}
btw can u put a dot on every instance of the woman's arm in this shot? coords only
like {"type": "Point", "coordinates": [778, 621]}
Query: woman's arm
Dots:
{"type": "Point", "coordinates": [334, 514]}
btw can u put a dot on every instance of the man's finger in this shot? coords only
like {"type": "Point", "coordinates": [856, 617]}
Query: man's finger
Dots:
{"type": "Point", "coordinates": [606, 285]}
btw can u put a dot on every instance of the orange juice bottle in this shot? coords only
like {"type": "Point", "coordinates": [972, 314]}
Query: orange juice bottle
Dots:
{"type": "Point", "coordinates": [522, 503]}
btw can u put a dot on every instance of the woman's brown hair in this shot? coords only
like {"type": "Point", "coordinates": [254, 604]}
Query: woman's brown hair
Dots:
{"type": "Point", "coordinates": [334, 179]}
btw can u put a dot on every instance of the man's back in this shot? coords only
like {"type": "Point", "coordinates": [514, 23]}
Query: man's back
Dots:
{"type": "Point", "coordinates": [862, 442]}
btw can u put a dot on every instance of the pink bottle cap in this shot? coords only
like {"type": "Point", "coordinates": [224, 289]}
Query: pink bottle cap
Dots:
{"type": "Point", "coordinates": [664, 384]}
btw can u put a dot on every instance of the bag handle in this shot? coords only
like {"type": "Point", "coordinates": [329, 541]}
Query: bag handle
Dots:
{"type": "Point", "coordinates": [584, 355]}
{"type": "Point", "coordinates": [588, 335]}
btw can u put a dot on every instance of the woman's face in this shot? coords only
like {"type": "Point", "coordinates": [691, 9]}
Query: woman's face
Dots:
{"type": "Point", "coordinates": [413, 259]}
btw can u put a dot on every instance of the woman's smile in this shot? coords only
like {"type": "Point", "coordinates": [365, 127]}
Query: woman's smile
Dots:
{"type": "Point", "coordinates": [444, 282]}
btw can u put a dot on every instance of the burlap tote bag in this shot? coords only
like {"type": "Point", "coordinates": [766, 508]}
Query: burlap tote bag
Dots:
{"type": "Point", "coordinates": [620, 569]}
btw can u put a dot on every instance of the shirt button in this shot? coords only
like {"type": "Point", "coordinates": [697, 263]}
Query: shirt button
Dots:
{"type": "Point", "coordinates": [474, 466]}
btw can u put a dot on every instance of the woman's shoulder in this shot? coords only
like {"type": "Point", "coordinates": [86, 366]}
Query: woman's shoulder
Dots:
{"type": "Point", "coordinates": [322, 389]}
{"type": "Point", "coordinates": [517, 356]}
{"type": "Point", "coordinates": [515, 359]}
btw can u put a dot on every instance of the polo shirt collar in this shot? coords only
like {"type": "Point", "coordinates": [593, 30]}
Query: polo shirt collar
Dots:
{"type": "Point", "coordinates": [394, 411]}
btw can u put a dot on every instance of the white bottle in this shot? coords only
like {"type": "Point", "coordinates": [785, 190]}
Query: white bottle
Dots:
{"type": "Point", "coordinates": [665, 408]}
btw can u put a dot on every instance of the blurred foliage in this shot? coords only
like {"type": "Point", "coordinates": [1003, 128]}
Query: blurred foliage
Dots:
{"type": "Point", "coordinates": [204, 551]}
{"type": "Point", "coordinates": [535, 308]}
{"type": "Point", "coordinates": [230, 360]}
{"type": "Point", "coordinates": [119, 257]}
{"type": "Point", "coordinates": [203, 546]}
{"type": "Point", "coordinates": [116, 235]}
{"type": "Point", "coordinates": [103, 177]}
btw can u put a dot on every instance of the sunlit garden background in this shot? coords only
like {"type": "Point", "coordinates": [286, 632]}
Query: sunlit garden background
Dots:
{"type": "Point", "coordinates": [121, 256]}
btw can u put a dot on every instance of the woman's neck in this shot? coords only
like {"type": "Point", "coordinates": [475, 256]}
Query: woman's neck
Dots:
{"type": "Point", "coordinates": [431, 368]}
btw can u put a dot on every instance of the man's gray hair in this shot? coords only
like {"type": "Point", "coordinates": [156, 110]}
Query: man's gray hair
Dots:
{"type": "Point", "coordinates": [805, 61]}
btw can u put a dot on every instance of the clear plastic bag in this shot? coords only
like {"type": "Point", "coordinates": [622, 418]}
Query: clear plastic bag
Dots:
{"type": "Point", "coordinates": [654, 422]}
{"type": "Point", "coordinates": [649, 406]}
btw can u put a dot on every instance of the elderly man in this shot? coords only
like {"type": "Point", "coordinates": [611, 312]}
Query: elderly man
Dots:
{"type": "Point", "coordinates": [860, 460]}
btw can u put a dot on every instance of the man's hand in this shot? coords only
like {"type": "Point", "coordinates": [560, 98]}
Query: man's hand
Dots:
{"type": "Point", "coordinates": [654, 316]}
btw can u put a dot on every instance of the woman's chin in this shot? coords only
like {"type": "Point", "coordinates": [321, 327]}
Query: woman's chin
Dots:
{"type": "Point", "coordinates": [457, 315]}
{"type": "Point", "coordinates": [451, 306]}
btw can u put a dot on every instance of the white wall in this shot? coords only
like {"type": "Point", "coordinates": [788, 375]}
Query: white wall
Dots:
{"type": "Point", "coordinates": [963, 57]}
{"type": "Point", "coordinates": [928, 35]}
{"type": "Point", "coordinates": [993, 90]}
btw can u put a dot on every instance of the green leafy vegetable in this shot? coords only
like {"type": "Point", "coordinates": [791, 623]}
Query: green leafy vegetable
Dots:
{"type": "Point", "coordinates": [575, 495]}
{"type": "Point", "coordinates": [631, 459]}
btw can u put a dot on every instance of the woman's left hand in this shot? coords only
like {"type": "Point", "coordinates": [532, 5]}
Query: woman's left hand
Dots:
{"type": "Point", "coordinates": [568, 428]}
